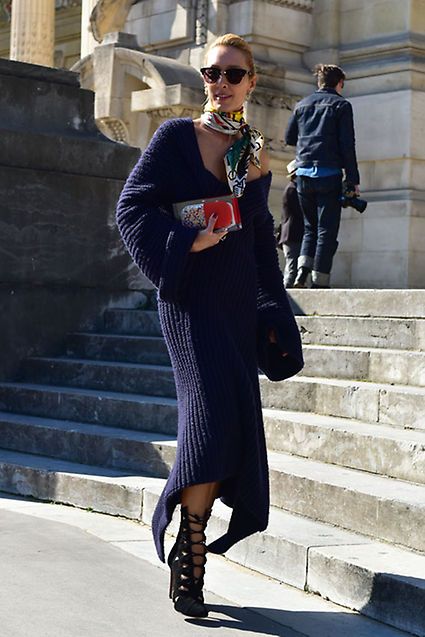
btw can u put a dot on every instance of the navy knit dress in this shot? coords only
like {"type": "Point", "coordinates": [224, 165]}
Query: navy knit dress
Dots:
{"type": "Point", "coordinates": [216, 308]}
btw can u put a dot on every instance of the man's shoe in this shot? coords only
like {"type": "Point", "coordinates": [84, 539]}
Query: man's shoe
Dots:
{"type": "Point", "coordinates": [301, 278]}
{"type": "Point", "coordinates": [320, 279]}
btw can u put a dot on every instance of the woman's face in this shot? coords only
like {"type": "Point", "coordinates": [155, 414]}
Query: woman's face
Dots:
{"type": "Point", "coordinates": [222, 95]}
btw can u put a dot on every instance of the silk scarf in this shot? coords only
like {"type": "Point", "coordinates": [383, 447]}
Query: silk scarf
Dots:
{"type": "Point", "coordinates": [246, 149]}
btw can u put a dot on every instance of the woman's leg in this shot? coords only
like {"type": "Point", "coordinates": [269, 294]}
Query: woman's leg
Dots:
{"type": "Point", "coordinates": [199, 499]}
{"type": "Point", "coordinates": [187, 557]}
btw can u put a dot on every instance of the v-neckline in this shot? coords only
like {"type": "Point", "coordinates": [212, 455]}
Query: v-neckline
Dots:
{"type": "Point", "coordinates": [207, 170]}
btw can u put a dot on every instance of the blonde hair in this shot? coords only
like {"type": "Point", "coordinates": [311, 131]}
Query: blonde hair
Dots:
{"type": "Point", "coordinates": [231, 39]}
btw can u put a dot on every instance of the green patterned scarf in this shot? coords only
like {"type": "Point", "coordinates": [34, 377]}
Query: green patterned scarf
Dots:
{"type": "Point", "coordinates": [246, 149]}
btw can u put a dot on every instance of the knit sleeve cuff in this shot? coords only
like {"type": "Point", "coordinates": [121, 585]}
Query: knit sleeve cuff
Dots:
{"type": "Point", "coordinates": [175, 263]}
{"type": "Point", "coordinates": [270, 359]}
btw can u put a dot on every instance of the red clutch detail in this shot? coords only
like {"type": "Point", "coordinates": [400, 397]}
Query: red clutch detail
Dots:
{"type": "Point", "coordinates": [195, 214]}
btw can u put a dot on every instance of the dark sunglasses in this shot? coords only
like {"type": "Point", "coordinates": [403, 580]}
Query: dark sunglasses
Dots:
{"type": "Point", "coordinates": [212, 74]}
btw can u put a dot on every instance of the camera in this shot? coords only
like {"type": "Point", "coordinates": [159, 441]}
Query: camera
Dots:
{"type": "Point", "coordinates": [354, 202]}
{"type": "Point", "coordinates": [350, 199]}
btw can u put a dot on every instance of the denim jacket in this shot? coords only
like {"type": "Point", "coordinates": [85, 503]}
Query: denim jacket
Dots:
{"type": "Point", "coordinates": [322, 129]}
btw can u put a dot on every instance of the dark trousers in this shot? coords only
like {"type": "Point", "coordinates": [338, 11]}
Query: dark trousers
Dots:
{"type": "Point", "coordinates": [320, 200]}
{"type": "Point", "coordinates": [291, 250]}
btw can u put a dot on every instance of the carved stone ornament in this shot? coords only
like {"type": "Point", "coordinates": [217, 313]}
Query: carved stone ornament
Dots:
{"type": "Point", "coordinates": [202, 7]}
{"type": "Point", "coordinates": [114, 129]}
{"type": "Point", "coordinates": [109, 16]}
{"type": "Point", "coordinates": [273, 100]}
{"type": "Point", "coordinates": [67, 4]}
{"type": "Point", "coordinates": [168, 113]}
{"type": "Point", "coordinates": [303, 5]}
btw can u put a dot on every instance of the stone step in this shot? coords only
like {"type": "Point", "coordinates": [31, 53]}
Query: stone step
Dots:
{"type": "Point", "coordinates": [91, 444]}
{"type": "Point", "coordinates": [381, 507]}
{"type": "Point", "coordinates": [115, 347]}
{"type": "Point", "coordinates": [375, 365]}
{"type": "Point", "coordinates": [397, 453]}
{"type": "Point", "coordinates": [136, 322]}
{"type": "Point", "coordinates": [348, 443]}
{"type": "Point", "coordinates": [379, 580]}
{"type": "Point", "coordinates": [389, 404]}
{"type": "Point", "coordinates": [379, 303]}
{"type": "Point", "coordinates": [385, 333]}
{"type": "Point", "coordinates": [399, 334]}
{"type": "Point", "coordinates": [131, 411]}
{"type": "Point", "coordinates": [395, 405]}
{"type": "Point", "coordinates": [153, 380]}
{"type": "Point", "coordinates": [327, 329]}
{"type": "Point", "coordinates": [104, 490]}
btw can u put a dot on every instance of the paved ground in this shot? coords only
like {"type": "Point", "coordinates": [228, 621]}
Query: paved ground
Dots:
{"type": "Point", "coordinates": [70, 573]}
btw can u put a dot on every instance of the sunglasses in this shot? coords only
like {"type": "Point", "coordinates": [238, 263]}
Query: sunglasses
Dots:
{"type": "Point", "coordinates": [212, 74]}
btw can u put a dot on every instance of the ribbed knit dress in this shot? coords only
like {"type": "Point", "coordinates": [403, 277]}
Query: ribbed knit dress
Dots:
{"type": "Point", "coordinates": [216, 308]}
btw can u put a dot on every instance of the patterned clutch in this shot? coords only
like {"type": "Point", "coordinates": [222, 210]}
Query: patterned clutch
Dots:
{"type": "Point", "coordinates": [195, 214]}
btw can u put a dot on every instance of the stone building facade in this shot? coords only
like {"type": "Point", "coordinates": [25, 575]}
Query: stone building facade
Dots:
{"type": "Point", "coordinates": [144, 70]}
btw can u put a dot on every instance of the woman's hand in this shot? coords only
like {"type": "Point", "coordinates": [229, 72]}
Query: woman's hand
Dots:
{"type": "Point", "coordinates": [273, 339]}
{"type": "Point", "coordinates": [208, 238]}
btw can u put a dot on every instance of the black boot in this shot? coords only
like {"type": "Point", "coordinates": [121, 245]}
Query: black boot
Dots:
{"type": "Point", "coordinates": [301, 278]}
{"type": "Point", "coordinates": [185, 589]}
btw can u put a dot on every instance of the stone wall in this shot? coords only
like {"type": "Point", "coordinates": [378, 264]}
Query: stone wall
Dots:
{"type": "Point", "coordinates": [61, 258]}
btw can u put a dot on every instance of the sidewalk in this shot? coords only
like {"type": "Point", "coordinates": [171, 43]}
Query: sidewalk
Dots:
{"type": "Point", "coordinates": [71, 573]}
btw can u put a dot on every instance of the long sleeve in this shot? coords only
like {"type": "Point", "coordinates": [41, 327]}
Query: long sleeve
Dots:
{"type": "Point", "coordinates": [158, 244]}
{"type": "Point", "coordinates": [291, 134]}
{"type": "Point", "coordinates": [274, 310]}
{"type": "Point", "coordinates": [347, 143]}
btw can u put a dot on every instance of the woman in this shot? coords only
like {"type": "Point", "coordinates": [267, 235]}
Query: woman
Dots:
{"type": "Point", "coordinates": [223, 310]}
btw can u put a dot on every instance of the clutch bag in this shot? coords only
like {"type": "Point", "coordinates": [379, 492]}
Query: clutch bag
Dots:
{"type": "Point", "coordinates": [196, 213]}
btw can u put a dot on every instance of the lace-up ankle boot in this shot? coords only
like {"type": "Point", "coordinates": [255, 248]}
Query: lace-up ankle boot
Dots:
{"type": "Point", "coordinates": [187, 561]}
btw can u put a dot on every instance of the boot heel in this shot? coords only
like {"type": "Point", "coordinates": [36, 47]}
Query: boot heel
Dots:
{"type": "Point", "coordinates": [170, 590]}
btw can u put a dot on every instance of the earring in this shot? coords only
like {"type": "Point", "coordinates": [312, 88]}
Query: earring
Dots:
{"type": "Point", "coordinates": [248, 96]}
{"type": "Point", "coordinates": [205, 90]}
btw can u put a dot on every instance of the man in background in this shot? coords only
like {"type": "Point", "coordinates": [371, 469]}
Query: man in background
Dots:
{"type": "Point", "coordinates": [321, 127]}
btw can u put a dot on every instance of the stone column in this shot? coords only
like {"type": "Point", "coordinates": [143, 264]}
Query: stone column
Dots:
{"type": "Point", "coordinates": [32, 32]}
{"type": "Point", "coordinates": [326, 33]}
{"type": "Point", "coordinates": [87, 40]}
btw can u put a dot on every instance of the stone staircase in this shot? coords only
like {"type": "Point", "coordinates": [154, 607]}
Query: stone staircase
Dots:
{"type": "Point", "coordinates": [96, 428]}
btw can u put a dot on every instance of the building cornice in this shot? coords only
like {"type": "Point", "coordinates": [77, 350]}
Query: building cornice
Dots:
{"type": "Point", "coordinates": [67, 4]}
{"type": "Point", "coordinates": [302, 5]}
